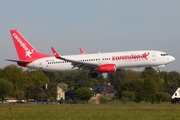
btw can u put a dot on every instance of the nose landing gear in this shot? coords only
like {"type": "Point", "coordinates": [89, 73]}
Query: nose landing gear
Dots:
{"type": "Point", "coordinates": [158, 70]}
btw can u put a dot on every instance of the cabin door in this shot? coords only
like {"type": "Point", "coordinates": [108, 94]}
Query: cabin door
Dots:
{"type": "Point", "coordinates": [154, 56]}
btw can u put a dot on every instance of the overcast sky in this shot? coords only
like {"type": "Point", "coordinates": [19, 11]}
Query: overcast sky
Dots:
{"type": "Point", "coordinates": [94, 25]}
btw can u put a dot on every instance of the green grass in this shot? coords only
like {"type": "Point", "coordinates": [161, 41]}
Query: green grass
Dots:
{"type": "Point", "coordinates": [90, 112]}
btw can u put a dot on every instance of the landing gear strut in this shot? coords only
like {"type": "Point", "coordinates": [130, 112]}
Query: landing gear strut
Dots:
{"type": "Point", "coordinates": [158, 70]}
{"type": "Point", "coordinates": [92, 74]}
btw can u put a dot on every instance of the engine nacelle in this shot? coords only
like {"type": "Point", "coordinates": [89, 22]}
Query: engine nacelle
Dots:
{"type": "Point", "coordinates": [108, 68]}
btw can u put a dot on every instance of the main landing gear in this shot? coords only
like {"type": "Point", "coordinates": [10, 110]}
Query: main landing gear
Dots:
{"type": "Point", "coordinates": [92, 74]}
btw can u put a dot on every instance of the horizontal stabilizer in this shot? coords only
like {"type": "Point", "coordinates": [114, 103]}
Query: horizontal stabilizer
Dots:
{"type": "Point", "coordinates": [22, 61]}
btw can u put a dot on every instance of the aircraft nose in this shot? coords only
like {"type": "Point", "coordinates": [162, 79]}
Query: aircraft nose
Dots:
{"type": "Point", "coordinates": [171, 58]}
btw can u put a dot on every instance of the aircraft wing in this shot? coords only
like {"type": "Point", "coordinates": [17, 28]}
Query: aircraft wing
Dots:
{"type": "Point", "coordinates": [81, 65]}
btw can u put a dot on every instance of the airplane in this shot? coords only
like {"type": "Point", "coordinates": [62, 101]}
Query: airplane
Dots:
{"type": "Point", "coordinates": [95, 63]}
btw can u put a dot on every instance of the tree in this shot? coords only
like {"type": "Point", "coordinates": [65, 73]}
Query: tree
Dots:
{"type": "Point", "coordinates": [55, 77]}
{"type": "Point", "coordinates": [149, 72]}
{"type": "Point", "coordinates": [135, 85]}
{"type": "Point", "coordinates": [162, 97]}
{"type": "Point", "coordinates": [39, 94]}
{"type": "Point", "coordinates": [153, 76]}
{"type": "Point", "coordinates": [117, 79]}
{"type": "Point", "coordinates": [36, 80]}
{"type": "Point", "coordinates": [150, 90]}
{"type": "Point", "coordinates": [63, 86]}
{"type": "Point", "coordinates": [51, 91]}
{"type": "Point", "coordinates": [105, 98]}
{"type": "Point", "coordinates": [37, 77]}
{"type": "Point", "coordinates": [163, 75]}
{"type": "Point", "coordinates": [84, 93]}
{"type": "Point", "coordinates": [128, 94]}
{"type": "Point", "coordinates": [14, 74]}
{"type": "Point", "coordinates": [94, 82]}
{"type": "Point", "coordinates": [18, 94]}
{"type": "Point", "coordinates": [6, 88]}
{"type": "Point", "coordinates": [173, 79]}
{"type": "Point", "coordinates": [130, 74]}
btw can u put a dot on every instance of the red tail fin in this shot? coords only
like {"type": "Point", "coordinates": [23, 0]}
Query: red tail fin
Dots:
{"type": "Point", "coordinates": [24, 49]}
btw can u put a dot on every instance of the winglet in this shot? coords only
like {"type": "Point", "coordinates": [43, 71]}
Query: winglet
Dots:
{"type": "Point", "coordinates": [55, 53]}
{"type": "Point", "coordinates": [82, 51]}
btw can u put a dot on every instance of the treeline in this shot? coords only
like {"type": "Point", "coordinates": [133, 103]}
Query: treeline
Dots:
{"type": "Point", "coordinates": [147, 85]}
{"type": "Point", "coordinates": [26, 84]}
{"type": "Point", "coordinates": [130, 85]}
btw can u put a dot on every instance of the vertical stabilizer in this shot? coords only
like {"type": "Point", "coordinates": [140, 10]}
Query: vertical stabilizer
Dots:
{"type": "Point", "coordinates": [24, 49]}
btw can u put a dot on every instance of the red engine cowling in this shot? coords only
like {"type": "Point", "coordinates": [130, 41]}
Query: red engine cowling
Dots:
{"type": "Point", "coordinates": [108, 68]}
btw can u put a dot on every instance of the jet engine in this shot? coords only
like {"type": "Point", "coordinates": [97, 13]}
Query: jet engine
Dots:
{"type": "Point", "coordinates": [107, 68]}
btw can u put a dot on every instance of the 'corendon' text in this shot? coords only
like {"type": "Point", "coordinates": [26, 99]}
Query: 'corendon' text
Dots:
{"type": "Point", "coordinates": [131, 57]}
{"type": "Point", "coordinates": [23, 45]}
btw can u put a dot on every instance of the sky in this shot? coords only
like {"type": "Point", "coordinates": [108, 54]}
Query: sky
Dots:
{"type": "Point", "coordinates": [94, 25]}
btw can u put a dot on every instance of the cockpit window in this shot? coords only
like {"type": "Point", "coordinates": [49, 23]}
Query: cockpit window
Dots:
{"type": "Point", "coordinates": [164, 54]}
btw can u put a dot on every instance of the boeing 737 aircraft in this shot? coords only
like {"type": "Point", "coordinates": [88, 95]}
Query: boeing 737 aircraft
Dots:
{"type": "Point", "coordinates": [96, 63]}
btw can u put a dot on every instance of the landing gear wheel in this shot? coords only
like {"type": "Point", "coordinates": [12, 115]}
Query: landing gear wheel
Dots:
{"type": "Point", "coordinates": [95, 75]}
{"type": "Point", "coordinates": [90, 75]}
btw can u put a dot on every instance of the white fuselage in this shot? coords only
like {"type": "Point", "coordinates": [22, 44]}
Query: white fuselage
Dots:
{"type": "Point", "coordinates": [129, 59]}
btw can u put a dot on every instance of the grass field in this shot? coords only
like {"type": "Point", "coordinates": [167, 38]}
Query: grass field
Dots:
{"type": "Point", "coordinates": [90, 112]}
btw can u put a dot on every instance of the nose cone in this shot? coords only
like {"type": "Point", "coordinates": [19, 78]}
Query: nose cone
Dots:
{"type": "Point", "coordinates": [171, 58]}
